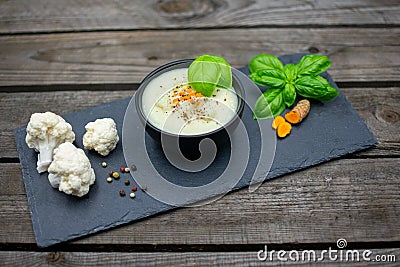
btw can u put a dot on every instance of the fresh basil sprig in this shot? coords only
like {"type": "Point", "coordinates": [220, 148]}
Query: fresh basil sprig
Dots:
{"type": "Point", "coordinates": [207, 72]}
{"type": "Point", "coordinates": [285, 82]}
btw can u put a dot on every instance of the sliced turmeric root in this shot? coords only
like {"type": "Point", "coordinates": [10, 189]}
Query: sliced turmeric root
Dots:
{"type": "Point", "coordinates": [299, 112]}
{"type": "Point", "coordinates": [283, 129]}
{"type": "Point", "coordinates": [278, 120]}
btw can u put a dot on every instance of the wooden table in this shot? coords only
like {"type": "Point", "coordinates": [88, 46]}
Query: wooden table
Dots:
{"type": "Point", "coordinates": [64, 56]}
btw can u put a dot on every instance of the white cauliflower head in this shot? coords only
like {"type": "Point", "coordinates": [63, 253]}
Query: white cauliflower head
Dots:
{"type": "Point", "coordinates": [101, 135]}
{"type": "Point", "coordinates": [45, 132]}
{"type": "Point", "coordinates": [71, 171]}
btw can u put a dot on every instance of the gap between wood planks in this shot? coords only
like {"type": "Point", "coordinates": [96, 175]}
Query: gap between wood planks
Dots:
{"type": "Point", "coordinates": [135, 86]}
{"type": "Point", "coordinates": [263, 26]}
{"type": "Point", "coordinates": [69, 247]}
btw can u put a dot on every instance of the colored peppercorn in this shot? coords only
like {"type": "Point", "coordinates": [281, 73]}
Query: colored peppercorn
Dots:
{"type": "Point", "coordinates": [132, 195]}
{"type": "Point", "coordinates": [121, 169]}
{"type": "Point", "coordinates": [127, 182]}
{"type": "Point", "coordinates": [110, 173]}
{"type": "Point", "coordinates": [104, 164]}
{"type": "Point", "coordinates": [109, 179]}
{"type": "Point", "coordinates": [127, 170]}
{"type": "Point", "coordinates": [134, 188]}
{"type": "Point", "coordinates": [122, 193]}
{"type": "Point", "coordinates": [133, 167]}
{"type": "Point", "coordinates": [115, 175]}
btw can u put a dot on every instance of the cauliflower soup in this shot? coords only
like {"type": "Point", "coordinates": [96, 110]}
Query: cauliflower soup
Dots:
{"type": "Point", "coordinates": [170, 104]}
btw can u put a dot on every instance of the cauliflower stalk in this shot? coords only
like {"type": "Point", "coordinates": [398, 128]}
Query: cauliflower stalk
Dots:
{"type": "Point", "coordinates": [101, 135]}
{"type": "Point", "coordinates": [45, 132]}
{"type": "Point", "coordinates": [71, 171]}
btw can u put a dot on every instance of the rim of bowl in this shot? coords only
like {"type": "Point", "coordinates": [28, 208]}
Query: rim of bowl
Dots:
{"type": "Point", "coordinates": [142, 86]}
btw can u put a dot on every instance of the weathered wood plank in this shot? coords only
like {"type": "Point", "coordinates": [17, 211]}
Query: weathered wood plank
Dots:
{"type": "Point", "coordinates": [50, 16]}
{"type": "Point", "coordinates": [361, 204]}
{"type": "Point", "coordinates": [371, 54]}
{"type": "Point", "coordinates": [378, 107]}
{"type": "Point", "coordinates": [13, 258]}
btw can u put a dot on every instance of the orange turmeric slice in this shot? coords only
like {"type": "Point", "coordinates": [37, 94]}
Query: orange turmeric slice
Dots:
{"type": "Point", "coordinates": [175, 100]}
{"type": "Point", "coordinates": [292, 117]}
{"type": "Point", "coordinates": [278, 120]}
{"type": "Point", "coordinates": [299, 112]}
{"type": "Point", "coordinates": [283, 129]}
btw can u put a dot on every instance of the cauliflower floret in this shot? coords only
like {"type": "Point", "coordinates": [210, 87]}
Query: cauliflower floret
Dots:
{"type": "Point", "coordinates": [45, 132]}
{"type": "Point", "coordinates": [101, 135]}
{"type": "Point", "coordinates": [71, 171]}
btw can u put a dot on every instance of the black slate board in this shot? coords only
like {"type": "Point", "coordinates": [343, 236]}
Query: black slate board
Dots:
{"type": "Point", "coordinates": [331, 130]}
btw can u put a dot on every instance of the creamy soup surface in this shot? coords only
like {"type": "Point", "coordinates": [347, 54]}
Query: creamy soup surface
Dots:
{"type": "Point", "coordinates": [170, 104]}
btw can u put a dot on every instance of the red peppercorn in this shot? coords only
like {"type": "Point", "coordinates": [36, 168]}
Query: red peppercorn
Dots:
{"type": "Point", "coordinates": [134, 188]}
{"type": "Point", "coordinates": [110, 173]}
{"type": "Point", "coordinates": [122, 169]}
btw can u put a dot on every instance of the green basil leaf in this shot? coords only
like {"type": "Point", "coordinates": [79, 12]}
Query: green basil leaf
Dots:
{"type": "Point", "coordinates": [267, 77]}
{"type": "Point", "coordinates": [315, 87]}
{"type": "Point", "coordinates": [289, 94]}
{"type": "Point", "coordinates": [269, 104]}
{"type": "Point", "coordinates": [225, 81]}
{"type": "Point", "coordinates": [204, 74]}
{"type": "Point", "coordinates": [313, 65]}
{"type": "Point", "coordinates": [290, 71]}
{"type": "Point", "coordinates": [265, 62]}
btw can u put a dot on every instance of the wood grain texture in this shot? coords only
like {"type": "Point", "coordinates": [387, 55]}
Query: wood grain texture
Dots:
{"type": "Point", "coordinates": [126, 57]}
{"type": "Point", "coordinates": [361, 204]}
{"type": "Point", "coordinates": [378, 108]}
{"type": "Point", "coordinates": [12, 258]}
{"type": "Point", "coordinates": [50, 16]}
